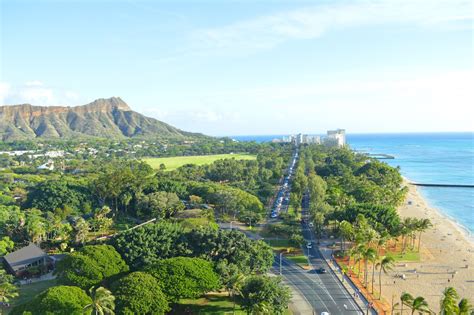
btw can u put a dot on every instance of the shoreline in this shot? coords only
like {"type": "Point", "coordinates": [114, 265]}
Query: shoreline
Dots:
{"type": "Point", "coordinates": [467, 234]}
{"type": "Point", "coordinates": [446, 256]}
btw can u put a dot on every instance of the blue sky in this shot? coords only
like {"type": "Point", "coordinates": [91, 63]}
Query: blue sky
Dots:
{"type": "Point", "coordinates": [249, 67]}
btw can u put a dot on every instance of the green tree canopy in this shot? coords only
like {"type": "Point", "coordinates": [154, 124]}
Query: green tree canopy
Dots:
{"type": "Point", "coordinates": [57, 193]}
{"type": "Point", "coordinates": [90, 266]}
{"type": "Point", "coordinates": [185, 277]}
{"type": "Point", "coordinates": [147, 244]}
{"type": "Point", "coordinates": [139, 293]}
{"type": "Point", "coordinates": [159, 205]}
{"type": "Point", "coordinates": [263, 289]}
{"type": "Point", "coordinates": [56, 300]}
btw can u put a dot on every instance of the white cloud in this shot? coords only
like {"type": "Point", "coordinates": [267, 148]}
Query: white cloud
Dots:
{"type": "Point", "coordinates": [436, 102]}
{"type": "Point", "coordinates": [34, 83]}
{"type": "Point", "coordinates": [268, 31]}
{"type": "Point", "coordinates": [36, 93]}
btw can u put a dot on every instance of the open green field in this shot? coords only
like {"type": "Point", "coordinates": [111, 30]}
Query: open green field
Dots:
{"type": "Point", "coordinates": [173, 163]}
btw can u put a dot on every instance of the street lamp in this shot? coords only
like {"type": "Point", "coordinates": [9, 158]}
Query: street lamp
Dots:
{"type": "Point", "coordinates": [231, 224]}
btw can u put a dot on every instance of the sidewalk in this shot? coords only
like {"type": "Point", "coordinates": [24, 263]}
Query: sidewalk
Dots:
{"type": "Point", "coordinates": [326, 252]}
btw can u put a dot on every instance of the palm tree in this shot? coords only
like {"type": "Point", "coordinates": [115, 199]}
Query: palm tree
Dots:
{"type": "Point", "coordinates": [263, 307]}
{"type": "Point", "coordinates": [419, 305]}
{"type": "Point", "coordinates": [369, 255]}
{"type": "Point", "coordinates": [7, 289]}
{"type": "Point", "coordinates": [448, 302]}
{"type": "Point", "coordinates": [102, 302]}
{"type": "Point", "coordinates": [234, 285]}
{"type": "Point", "coordinates": [405, 231]}
{"type": "Point", "coordinates": [371, 236]}
{"type": "Point", "coordinates": [385, 265]}
{"type": "Point", "coordinates": [423, 225]}
{"type": "Point", "coordinates": [465, 308]}
{"type": "Point", "coordinates": [346, 229]}
{"type": "Point", "coordinates": [382, 240]}
{"type": "Point", "coordinates": [405, 299]}
{"type": "Point", "coordinates": [358, 254]}
{"type": "Point", "coordinates": [373, 260]}
{"type": "Point", "coordinates": [81, 228]}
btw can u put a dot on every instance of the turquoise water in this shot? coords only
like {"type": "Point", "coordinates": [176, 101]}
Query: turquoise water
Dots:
{"type": "Point", "coordinates": [440, 158]}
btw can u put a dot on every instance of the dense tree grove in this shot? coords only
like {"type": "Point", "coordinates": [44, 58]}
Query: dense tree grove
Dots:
{"type": "Point", "coordinates": [184, 277]}
{"type": "Point", "coordinates": [90, 266]}
{"type": "Point", "coordinates": [148, 244]}
{"type": "Point", "coordinates": [88, 209]}
{"type": "Point", "coordinates": [58, 194]}
{"type": "Point", "coordinates": [139, 293]}
{"type": "Point", "coordinates": [56, 300]}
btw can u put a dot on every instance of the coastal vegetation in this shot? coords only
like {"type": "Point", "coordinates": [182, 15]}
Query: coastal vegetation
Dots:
{"type": "Point", "coordinates": [143, 239]}
{"type": "Point", "coordinates": [139, 240]}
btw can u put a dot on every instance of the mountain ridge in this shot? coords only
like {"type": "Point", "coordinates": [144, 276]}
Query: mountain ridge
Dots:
{"type": "Point", "coordinates": [102, 118]}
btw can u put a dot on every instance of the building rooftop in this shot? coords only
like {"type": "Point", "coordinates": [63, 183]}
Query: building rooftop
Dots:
{"type": "Point", "coordinates": [25, 253]}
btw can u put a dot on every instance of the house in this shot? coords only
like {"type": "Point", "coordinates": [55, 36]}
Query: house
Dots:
{"type": "Point", "coordinates": [27, 257]}
{"type": "Point", "coordinates": [47, 166]}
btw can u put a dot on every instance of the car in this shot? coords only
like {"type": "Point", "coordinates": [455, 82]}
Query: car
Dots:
{"type": "Point", "coordinates": [325, 313]}
{"type": "Point", "coordinates": [309, 245]}
{"type": "Point", "coordinates": [274, 215]}
{"type": "Point", "coordinates": [321, 270]}
{"type": "Point", "coordinates": [311, 224]}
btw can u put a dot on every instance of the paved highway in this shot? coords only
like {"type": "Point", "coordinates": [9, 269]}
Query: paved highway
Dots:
{"type": "Point", "coordinates": [322, 291]}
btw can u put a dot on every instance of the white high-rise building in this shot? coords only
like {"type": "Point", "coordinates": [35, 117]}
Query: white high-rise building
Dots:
{"type": "Point", "coordinates": [336, 138]}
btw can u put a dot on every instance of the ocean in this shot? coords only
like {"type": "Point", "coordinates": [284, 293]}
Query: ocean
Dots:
{"type": "Point", "coordinates": [438, 158]}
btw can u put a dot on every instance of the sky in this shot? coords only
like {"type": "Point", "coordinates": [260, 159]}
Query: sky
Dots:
{"type": "Point", "coordinates": [249, 67]}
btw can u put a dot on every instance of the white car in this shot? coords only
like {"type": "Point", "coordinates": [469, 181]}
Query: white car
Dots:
{"type": "Point", "coordinates": [309, 245]}
{"type": "Point", "coordinates": [311, 224]}
{"type": "Point", "coordinates": [325, 313]}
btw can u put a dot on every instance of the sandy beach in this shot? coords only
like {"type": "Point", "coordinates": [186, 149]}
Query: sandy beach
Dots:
{"type": "Point", "coordinates": [446, 250]}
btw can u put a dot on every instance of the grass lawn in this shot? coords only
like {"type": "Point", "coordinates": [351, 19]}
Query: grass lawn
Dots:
{"type": "Point", "coordinates": [29, 291]}
{"type": "Point", "coordinates": [213, 303]}
{"type": "Point", "coordinates": [300, 260]}
{"type": "Point", "coordinates": [408, 256]}
{"type": "Point", "coordinates": [282, 245]}
{"type": "Point", "coordinates": [173, 163]}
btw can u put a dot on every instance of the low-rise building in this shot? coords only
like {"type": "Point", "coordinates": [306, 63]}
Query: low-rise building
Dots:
{"type": "Point", "coordinates": [19, 262]}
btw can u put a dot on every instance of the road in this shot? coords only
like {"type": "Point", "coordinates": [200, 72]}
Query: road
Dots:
{"type": "Point", "coordinates": [322, 291]}
{"type": "Point", "coordinates": [341, 301]}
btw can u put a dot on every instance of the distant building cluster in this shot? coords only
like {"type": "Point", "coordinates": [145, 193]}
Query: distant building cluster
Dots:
{"type": "Point", "coordinates": [334, 138]}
